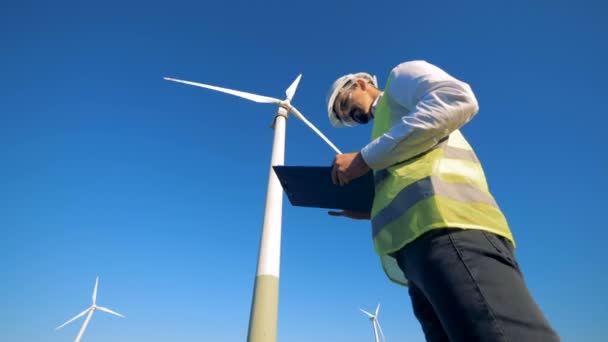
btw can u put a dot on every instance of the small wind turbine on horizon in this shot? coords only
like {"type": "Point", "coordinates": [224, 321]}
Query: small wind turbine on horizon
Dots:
{"type": "Point", "coordinates": [264, 305]}
{"type": "Point", "coordinates": [90, 312]}
{"type": "Point", "coordinates": [375, 324]}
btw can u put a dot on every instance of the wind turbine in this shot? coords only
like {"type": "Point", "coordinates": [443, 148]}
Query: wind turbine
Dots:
{"type": "Point", "coordinates": [264, 305]}
{"type": "Point", "coordinates": [375, 323]}
{"type": "Point", "coordinates": [90, 312]}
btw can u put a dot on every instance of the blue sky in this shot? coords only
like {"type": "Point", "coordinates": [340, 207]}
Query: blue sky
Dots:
{"type": "Point", "coordinates": [106, 169]}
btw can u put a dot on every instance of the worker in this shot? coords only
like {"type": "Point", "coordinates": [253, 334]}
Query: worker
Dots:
{"type": "Point", "coordinates": [435, 224]}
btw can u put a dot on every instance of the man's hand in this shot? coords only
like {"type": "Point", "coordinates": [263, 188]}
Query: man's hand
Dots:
{"type": "Point", "coordinates": [347, 167]}
{"type": "Point", "coordinates": [355, 215]}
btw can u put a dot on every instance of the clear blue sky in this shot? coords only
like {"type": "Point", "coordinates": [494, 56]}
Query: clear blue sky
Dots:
{"type": "Point", "coordinates": [106, 169]}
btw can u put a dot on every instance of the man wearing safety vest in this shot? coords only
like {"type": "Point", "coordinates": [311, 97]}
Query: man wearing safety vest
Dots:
{"type": "Point", "coordinates": [435, 224]}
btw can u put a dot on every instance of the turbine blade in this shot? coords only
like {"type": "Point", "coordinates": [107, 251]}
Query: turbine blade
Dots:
{"type": "Point", "coordinates": [95, 290]}
{"type": "Point", "coordinates": [367, 313]}
{"type": "Point", "coordinates": [110, 311]}
{"type": "Point", "coordinates": [380, 329]}
{"type": "Point", "coordinates": [321, 135]}
{"type": "Point", "coordinates": [292, 88]}
{"type": "Point", "coordinates": [248, 96]}
{"type": "Point", "coordinates": [73, 319]}
{"type": "Point", "coordinates": [377, 308]}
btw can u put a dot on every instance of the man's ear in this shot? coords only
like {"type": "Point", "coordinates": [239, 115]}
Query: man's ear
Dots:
{"type": "Point", "coordinates": [362, 84]}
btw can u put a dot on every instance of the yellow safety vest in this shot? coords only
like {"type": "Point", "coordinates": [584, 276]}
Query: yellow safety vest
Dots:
{"type": "Point", "coordinates": [443, 187]}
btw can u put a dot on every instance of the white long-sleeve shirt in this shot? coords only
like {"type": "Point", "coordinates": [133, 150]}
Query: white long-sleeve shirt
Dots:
{"type": "Point", "coordinates": [427, 104]}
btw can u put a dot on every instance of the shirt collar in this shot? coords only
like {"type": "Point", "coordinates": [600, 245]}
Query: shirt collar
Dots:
{"type": "Point", "coordinates": [375, 103]}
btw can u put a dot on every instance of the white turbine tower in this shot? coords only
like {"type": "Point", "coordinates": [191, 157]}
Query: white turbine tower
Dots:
{"type": "Point", "coordinates": [375, 323]}
{"type": "Point", "coordinates": [264, 305]}
{"type": "Point", "coordinates": [90, 312]}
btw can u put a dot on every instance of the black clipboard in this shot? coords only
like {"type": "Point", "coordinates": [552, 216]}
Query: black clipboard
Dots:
{"type": "Point", "coordinates": [311, 186]}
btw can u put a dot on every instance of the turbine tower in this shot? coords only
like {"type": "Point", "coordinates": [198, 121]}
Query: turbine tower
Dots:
{"type": "Point", "coordinates": [375, 324]}
{"type": "Point", "coordinates": [265, 301]}
{"type": "Point", "coordinates": [90, 312]}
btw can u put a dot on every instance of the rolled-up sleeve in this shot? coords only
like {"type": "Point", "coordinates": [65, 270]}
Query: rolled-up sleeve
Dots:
{"type": "Point", "coordinates": [435, 104]}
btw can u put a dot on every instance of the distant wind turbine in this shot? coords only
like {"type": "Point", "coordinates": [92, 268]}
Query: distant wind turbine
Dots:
{"type": "Point", "coordinates": [90, 312]}
{"type": "Point", "coordinates": [375, 324]}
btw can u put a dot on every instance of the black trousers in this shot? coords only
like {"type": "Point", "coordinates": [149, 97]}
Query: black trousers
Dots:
{"type": "Point", "coordinates": [465, 285]}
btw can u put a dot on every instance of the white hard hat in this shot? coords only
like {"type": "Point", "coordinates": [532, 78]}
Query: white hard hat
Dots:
{"type": "Point", "coordinates": [335, 89]}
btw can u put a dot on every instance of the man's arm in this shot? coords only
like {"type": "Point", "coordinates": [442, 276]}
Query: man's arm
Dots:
{"type": "Point", "coordinates": [436, 104]}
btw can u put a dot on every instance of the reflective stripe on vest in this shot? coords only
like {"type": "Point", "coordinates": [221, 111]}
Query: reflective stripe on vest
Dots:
{"type": "Point", "coordinates": [424, 188]}
{"type": "Point", "coordinates": [442, 187]}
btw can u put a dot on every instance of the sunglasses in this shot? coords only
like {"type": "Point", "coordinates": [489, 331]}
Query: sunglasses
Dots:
{"type": "Point", "coordinates": [347, 111]}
